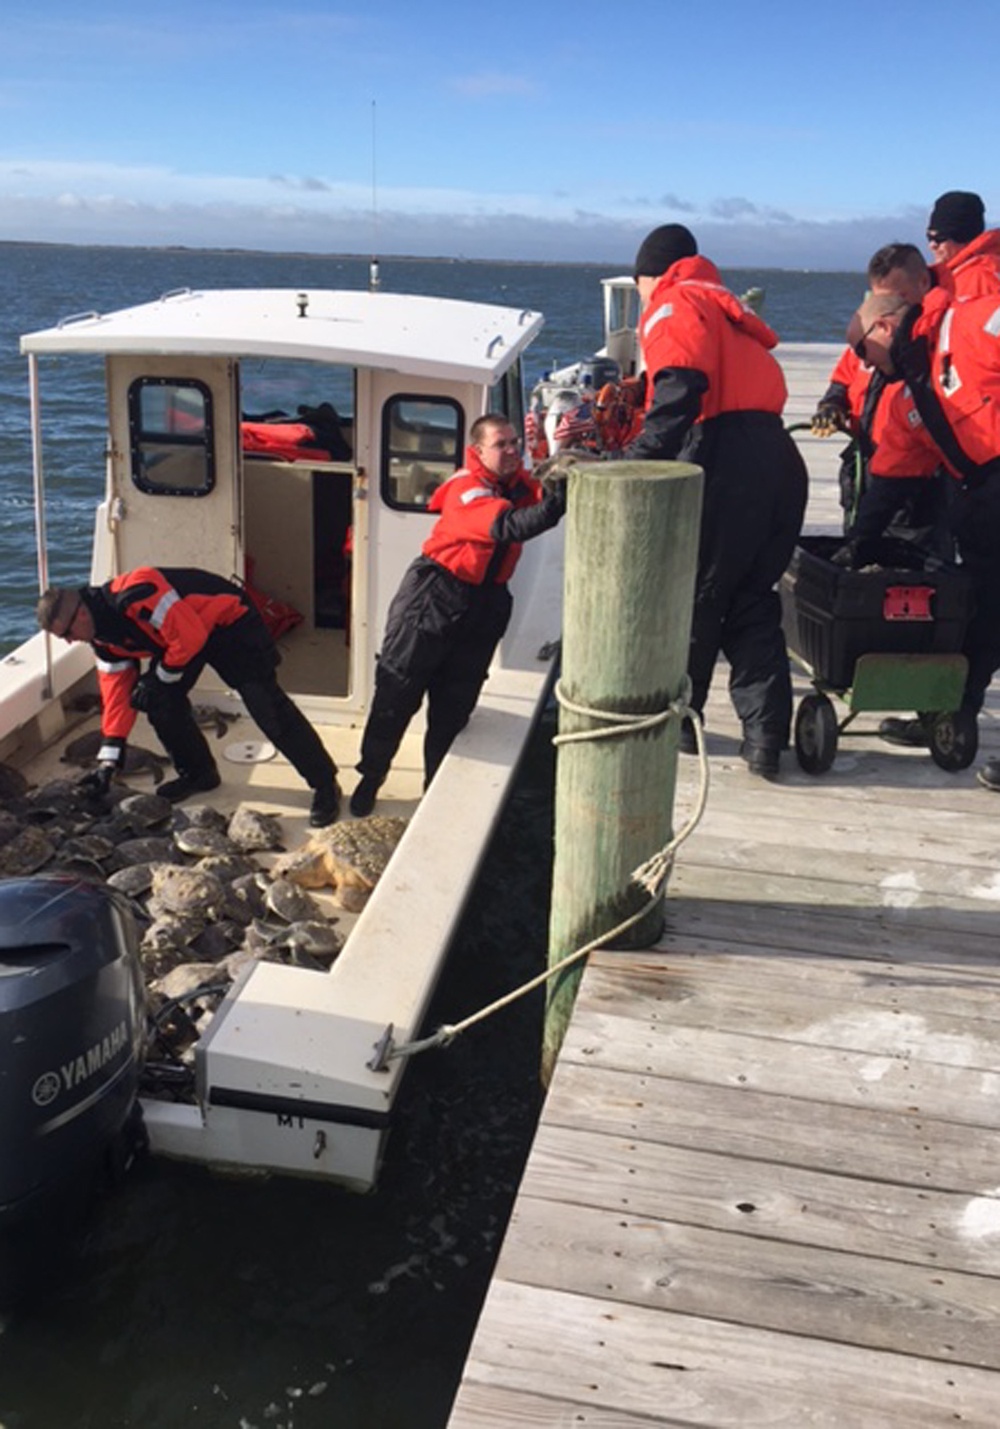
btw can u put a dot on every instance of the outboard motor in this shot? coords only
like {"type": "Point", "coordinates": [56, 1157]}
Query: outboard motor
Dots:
{"type": "Point", "coordinates": [71, 1039]}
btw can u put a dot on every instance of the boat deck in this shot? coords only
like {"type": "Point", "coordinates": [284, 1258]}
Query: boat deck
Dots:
{"type": "Point", "coordinates": [764, 1190]}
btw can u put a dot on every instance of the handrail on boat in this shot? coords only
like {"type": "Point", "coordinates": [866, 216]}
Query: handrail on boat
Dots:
{"type": "Point", "coordinates": [492, 344]}
{"type": "Point", "coordinates": [92, 316]}
{"type": "Point", "coordinates": [174, 293]}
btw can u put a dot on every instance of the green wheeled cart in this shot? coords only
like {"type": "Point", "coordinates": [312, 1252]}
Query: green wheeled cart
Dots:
{"type": "Point", "coordinates": [884, 638]}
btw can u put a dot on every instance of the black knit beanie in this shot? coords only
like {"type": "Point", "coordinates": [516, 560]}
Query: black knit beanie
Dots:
{"type": "Point", "coordinates": [958, 216]}
{"type": "Point", "coordinates": [662, 247]}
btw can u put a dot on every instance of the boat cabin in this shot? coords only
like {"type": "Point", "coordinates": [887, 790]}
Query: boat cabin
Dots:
{"type": "Point", "coordinates": [291, 439]}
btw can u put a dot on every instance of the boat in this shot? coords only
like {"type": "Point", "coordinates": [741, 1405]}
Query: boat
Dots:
{"type": "Point", "coordinates": [297, 1069]}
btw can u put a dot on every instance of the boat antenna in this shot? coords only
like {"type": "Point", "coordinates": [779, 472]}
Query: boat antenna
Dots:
{"type": "Point", "coordinates": [374, 282]}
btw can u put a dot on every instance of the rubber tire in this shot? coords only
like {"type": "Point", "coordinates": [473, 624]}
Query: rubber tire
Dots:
{"type": "Point", "coordinates": [954, 740]}
{"type": "Point", "coordinates": [816, 734]}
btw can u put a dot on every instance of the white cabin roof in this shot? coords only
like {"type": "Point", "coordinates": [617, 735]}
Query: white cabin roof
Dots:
{"type": "Point", "coordinates": [420, 336]}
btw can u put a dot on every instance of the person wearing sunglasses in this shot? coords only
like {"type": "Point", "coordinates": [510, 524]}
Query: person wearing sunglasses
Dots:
{"type": "Point", "coordinates": [966, 253]}
{"type": "Point", "coordinates": [945, 358]}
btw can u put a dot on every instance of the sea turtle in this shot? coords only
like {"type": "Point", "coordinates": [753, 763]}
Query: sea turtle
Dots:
{"type": "Point", "coordinates": [200, 839]}
{"type": "Point", "coordinates": [202, 816]}
{"type": "Point", "coordinates": [83, 751]}
{"type": "Point", "coordinates": [311, 938]}
{"type": "Point", "coordinates": [13, 784]}
{"type": "Point", "coordinates": [209, 717]}
{"type": "Point", "coordinates": [349, 857]}
{"type": "Point", "coordinates": [251, 829]}
{"type": "Point", "coordinates": [26, 853]}
{"type": "Point", "coordinates": [226, 866]}
{"type": "Point", "coordinates": [186, 890]}
{"type": "Point", "coordinates": [10, 825]}
{"type": "Point", "coordinates": [290, 901]}
{"type": "Point", "coordinates": [148, 849]}
{"type": "Point", "coordinates": [144, 811]}
{"type": "Point", "coordinates": [133, 880]}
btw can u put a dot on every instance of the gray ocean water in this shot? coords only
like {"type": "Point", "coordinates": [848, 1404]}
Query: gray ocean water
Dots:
{"type": "Point", "coordinates": [196, 1300]}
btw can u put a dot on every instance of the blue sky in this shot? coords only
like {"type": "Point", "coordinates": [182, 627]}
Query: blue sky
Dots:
{"type": "Point", "coordinates": [783, 134]}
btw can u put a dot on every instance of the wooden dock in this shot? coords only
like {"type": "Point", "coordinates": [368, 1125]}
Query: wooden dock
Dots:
{"type": "Point", "coordinates": [765, 1189]}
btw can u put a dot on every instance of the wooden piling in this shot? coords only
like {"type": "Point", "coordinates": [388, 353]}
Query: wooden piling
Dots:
{"type": "Point", "coordinates": [631, 554]}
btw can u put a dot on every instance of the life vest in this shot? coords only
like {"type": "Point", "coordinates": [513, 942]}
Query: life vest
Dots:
{"type": "Point", "coordinates": [693, 321]}
{"type": "Point", "coordinates": [166, 615]}
{"type": "Point", "coordinates": [855, 378]}
{"type": "Point", "coordinates": [468, 504]}
{"type": "Point", "coordinates": [974, 272]}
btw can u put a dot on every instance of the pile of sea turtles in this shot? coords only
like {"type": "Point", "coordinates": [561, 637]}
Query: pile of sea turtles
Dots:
{"type": "Point", "coordinates": [208, 894]}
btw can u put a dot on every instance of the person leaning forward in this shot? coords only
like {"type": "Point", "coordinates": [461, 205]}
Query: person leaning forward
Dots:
{"type": "Point", "coordinates": [946, 356]}
{"type": "Point", "coordinates": [181, 620]}
{"type": "Point", "coordinates": [714, 396]}
{"type": "Point", "coordinates": [453, 603]}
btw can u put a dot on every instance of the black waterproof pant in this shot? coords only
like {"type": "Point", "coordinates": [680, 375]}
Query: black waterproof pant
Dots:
{"type": "Point", "coordinates": [754, 502]}
{"type": "Point", "coordinates": [440, 635]}
{"type": "Point", "coordinates": [975, 516]}
{"type": "Point", "coordinates": [245, 657]}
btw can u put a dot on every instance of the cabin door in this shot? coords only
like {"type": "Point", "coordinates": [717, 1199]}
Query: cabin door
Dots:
{"type": "Point", "coordinates": [174, 463]}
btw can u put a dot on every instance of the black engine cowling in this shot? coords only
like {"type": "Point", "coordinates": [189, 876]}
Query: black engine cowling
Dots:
{"type": "Point", "coordinates": [71, 1039]}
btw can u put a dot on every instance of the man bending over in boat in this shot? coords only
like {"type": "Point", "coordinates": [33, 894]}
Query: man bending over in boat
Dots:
{"type": "Point", "coordinates": [182, 620]}
{"type": "Point", "coordinates": [453, 604]}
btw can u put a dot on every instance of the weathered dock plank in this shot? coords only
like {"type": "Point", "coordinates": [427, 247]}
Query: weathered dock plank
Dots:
{"type": "Point", "coordinates": [765, 1188]}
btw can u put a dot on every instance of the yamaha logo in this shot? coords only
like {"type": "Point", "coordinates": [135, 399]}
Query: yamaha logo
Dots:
{"type": "Point", "coordinates": [80, 1069]}
{"type": "Point", "coordinates": [46, 1089]}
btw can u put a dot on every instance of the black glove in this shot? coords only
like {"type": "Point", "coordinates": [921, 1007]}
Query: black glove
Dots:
{"type": "Point", "coordinates": [828, 418]}
{"type": "Point", "coordinates": [149, 693]}
{"type": "Point", "coordinates": [97, 781]}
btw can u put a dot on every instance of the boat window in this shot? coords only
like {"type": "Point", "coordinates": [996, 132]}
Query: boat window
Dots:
{"type": "Point", "coordinates": [297, 410]}
{"type": "Point", "coordinates": [171, 436]}
{"type": "Point", "coordinates": [507, 397]}
{"type": "Point", "coordinates": [622, 307]}
{"type": "Point", "coordinates": [422, 443]}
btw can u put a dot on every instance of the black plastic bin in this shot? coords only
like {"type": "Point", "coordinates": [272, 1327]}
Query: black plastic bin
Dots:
{"type": "Point", "coordinates": [832, 616]}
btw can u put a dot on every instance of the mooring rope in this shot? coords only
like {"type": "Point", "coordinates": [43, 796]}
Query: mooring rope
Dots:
{"type": "Point", "coordinates": [651, 875]}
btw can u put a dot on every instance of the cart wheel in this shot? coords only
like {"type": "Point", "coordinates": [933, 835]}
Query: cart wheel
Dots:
{"type": "Point", "coordinates": [815, 734]}
{"type": "Point", "coordinates": [954, 740]}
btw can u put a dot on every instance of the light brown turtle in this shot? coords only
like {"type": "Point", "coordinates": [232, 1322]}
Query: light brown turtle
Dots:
{"type": "Point", "coordinates": [349, 857]}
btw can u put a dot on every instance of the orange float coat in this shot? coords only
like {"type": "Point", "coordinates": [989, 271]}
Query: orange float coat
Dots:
{"type": "Point", "coordinates": [464, 539]}
{"type": "Point", "coordinates": [159, 615]}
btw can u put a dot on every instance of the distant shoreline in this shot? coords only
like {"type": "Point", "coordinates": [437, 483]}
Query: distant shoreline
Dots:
{"type": "Point", "coordinates": [300, 255]}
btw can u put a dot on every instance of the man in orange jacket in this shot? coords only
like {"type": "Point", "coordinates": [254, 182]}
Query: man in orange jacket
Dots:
{"type": "Point", "coordinates": [947, 355]}
{"type": "Point", "coordinates": [966, 253]}
{"type": "Point", "coordinates": [453, 603]}
{"type": "Point", "coordinates": [714, 396]}
{"type": "Point", "coordinates": [181, 620]}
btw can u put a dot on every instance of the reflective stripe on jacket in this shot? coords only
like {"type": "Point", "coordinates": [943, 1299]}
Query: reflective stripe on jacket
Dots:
{"type": "Point", "coordinates": [164, 615]}
{"type": "Point", "coordinates": [693, 321]}
{"type": "Point", "coordinates": [470, 503]}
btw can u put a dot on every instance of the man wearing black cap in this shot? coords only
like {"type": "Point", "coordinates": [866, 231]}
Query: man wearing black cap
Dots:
{"type": "Point", "coordinates": [966, 253]}
{"type": "Point", "coordinates": [714, 396]}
